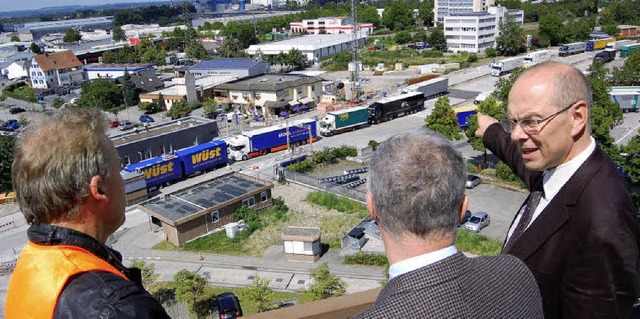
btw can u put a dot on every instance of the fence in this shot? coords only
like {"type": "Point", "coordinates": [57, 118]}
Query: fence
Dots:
{"type": "Point", "coordinates": [315, 183]}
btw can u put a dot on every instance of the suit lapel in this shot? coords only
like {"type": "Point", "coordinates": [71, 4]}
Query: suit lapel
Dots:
{"type": "Point", "coordinates": [557, 212]}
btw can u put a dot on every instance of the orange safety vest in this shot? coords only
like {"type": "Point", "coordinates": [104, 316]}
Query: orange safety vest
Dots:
{"type": "Point", "coordinates": [40, 275]}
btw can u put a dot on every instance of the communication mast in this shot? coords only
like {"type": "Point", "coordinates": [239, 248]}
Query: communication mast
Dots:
{"type": "Point", "coordinates": [354, 43]}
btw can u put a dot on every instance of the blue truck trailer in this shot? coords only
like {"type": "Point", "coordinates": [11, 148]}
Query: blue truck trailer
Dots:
{"type": "Point", "coordinates": [272, 139]}
{"type": "Point", "coordinates": [158, 170]}
{"type": "Point", "coordinates": [203, 157]}
{"type": "Point", "coordinates": [464, 113]}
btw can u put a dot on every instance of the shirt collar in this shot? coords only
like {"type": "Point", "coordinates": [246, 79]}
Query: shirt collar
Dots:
{"type": "Point", "coordinates": [413, 263]}
{"type": "Point", "coordinates": [554, 179]}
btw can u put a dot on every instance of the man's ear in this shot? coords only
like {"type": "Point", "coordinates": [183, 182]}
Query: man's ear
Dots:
{"type": "Point", "coordinates": [580, 118]}
{"type": "Point", "coordinates": [371, 207]}
{"type": "Point", "coordinates": [463, 207]}
{"type": "Point", "coordinates": [96, 188]}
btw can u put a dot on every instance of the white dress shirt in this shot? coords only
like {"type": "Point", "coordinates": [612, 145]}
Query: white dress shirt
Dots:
{"type": "Point", "coordinates": [553, 180]}
{"type": "Point", "coordinates": [411, 264]}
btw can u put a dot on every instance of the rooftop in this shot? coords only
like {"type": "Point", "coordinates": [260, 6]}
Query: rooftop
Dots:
{"type": "Point", "coordinates": [269, 82]}
{"type": "Point", "coordinates": [306, 42]}
{"type": "Point", "coordinates": [119, 66]}
{"type": "Point", "coordinates": [158, 129]}
{"type": "Point", "coordinates": [225, 64]}
{"type": "Point", "coordinates": [57, 61]}
{"type": "Point", "coordinates": [178, 207]}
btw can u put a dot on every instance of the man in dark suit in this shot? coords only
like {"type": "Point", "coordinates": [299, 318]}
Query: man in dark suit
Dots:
{"type": "Point", "coordinates": [577, 231]}
{"type": "Point", "coordinates": [416, 195]}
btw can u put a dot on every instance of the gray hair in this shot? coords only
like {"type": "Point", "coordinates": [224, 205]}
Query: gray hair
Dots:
{"type": "Point", "coordinates": [571, 85]}
{"type": "Point", "coordinates": [55, 160]}
{"type": "Point", "coordinates": [417, 182]}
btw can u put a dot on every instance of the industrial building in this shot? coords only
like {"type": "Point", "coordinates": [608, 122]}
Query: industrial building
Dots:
{"type": "Point", "coordinates": [238, 68]}
{"type": "Point", "coordinates": [200, 209]}
{"type": "Point", "coordinates": [314, 47]}
{"type": "Point", "coordinates": [163, 138]}
{"type": "Point", "coordinates": [41, 28]}
{"type": "Point", "coordinates": [115, 70]}
{"type": "Point", "coordinates": [474, 32]}
{"type": "Point", "coordinates": [49, 70]}
{"type": "Point", "coordinates": [187, 88]}
{"type": "Point", "coordinates": [269, 94]}
{"type": "Point", "coordinates": [443, 8]}
{"type": "Point", "coordinates": [329, 26]}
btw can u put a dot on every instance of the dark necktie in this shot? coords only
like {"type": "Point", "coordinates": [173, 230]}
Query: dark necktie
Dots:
{"type": "Point", "coordinates": [532, 202]}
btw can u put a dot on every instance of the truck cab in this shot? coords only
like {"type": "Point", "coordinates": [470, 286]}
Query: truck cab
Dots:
{"type": "Point", "coordinates": [326, 125]}
{"type": "Point", "coordinates": [239, 147]}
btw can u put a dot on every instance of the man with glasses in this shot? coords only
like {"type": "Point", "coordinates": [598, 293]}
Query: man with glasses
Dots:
{"type": "Point", "coordinates": [577, 231]}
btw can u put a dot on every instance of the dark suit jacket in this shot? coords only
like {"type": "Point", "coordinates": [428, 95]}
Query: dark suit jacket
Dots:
{"type": "Point", "coordinates": [461, 287]}
{"type": "Point", "coordinates": [583, 247]}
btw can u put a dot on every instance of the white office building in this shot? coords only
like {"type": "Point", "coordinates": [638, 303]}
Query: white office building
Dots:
{"type": "Point", "coordinates": [443, 8]}
{"type": "Point", "coordinates": [313, 47]}
{"type": "Point", "coordinates": [329, 26]}
{"type": "Point", "coordinates": [474, 32]}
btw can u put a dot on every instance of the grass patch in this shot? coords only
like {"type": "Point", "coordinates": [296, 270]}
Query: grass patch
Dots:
{"type": "Point", "coordinates": [340, 204]}
{"type": "Point", "coordinates": [364, 259]}
{"type": "Point", "coordinates": [247, 308]}
{"type": "Point", "coordinates": [217, 243]}
{"type": "Point", "coordinates": [477, 244]}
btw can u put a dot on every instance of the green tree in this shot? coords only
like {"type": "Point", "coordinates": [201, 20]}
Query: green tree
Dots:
{"type": "Point", "coordinates": [368, 14]}
{"type": "Point", "coordinates": [438, 40]}
{"type": "Point", "coordinates": [403, 37]}
{"type": "Point", "coordinates": [258, 294]}
{"type": "Point", "coordinates": [503, 87]}
{"type": "Point", "coordinates": [325, 285]}
{"type": "Point", "coordinates": [15, 38]}
{"type": "Point", "coordinates": [6, 159]}
{"type": "Point", "coordinates": [512, 40]}
{"type": "Point", "coordinates": [101, 93]}
{"type": "Point", "coordinates": [117, 34]}
{"type": "Point", "coordinates": [35, 48]}
{"type": "Point", "coordinates": [630, 71]}
{"type": "Point", "coordinates": [149, 275]}
{"type": "Point", "coordinates": [425, 12]}
{"type": "Point", "coordinates": [196, 51]}
{"type": "Point", "coordinates": [611, 29]}
{"type": "Point", "coordinates": [630, 161]}
{"type": "Point", "coordinates": [373, 144]}
{"type": "Point", "coordinates": [190, 288]}
{"type": "Point", "coordinates": [57, 102]}
{"type": "Point", "coordinates": [209, 107]}
{"type": "Point", "coordinates": [295, 60]}
{"type": "Point", "coordinates": [491, 53]}
{"type": "Point", "coordinates": [398, 16]}
{"type": "Point", "coordinates": [149, 107]}
{"type": "Point", "coordinates": [129, 91]}
{"type": "Point", "coordinates": [443, 120]}
{"type": "Point", "coordinates": [179, 110]}
{"type": "Point", "coordinates": [489, 106]}
{"type": "Point", "coordinates": [578, 30]}
{"type": "Point", "coordinates": [551, 26]}
{"type": "Point", "coordinates": [72, 35]}
{"type": "Point", "coordinates": [605, 114]}
{"type": "Point", "coordinates": [162, 106]}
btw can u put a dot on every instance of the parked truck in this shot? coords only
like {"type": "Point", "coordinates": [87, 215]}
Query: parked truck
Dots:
{"type": "Point", "coordinates": [481, 97]}
{"type": "Point", "coordinates": [598, 44]}
{"type": "Point", "coordinates": [537, 56]}
{"type": "Point", "coordinates": [393, 106]}
{"type": "Point", "coordinates": [166, 169]}
{"type": "Point", "coordinates": [626, 97]}
{"type": "Point", "coordinates": [506, 66]}
{"type": "Point", "coordinates": [607, 55]}
{"type": "Point", "coordinates": [617, 45]}
{"type": "Point", "coordinates": [464, 113]}
{"type": "Point", "coordinates": [430, 88]}
{"type": "Point", "coordinates": [344, 120]}
{"type": "Point", "coordinates": [271, 139]}
{"type": "Point", "coordinates": [572, 48]}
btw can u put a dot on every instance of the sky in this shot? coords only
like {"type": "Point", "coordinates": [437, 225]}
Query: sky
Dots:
{"type": "Point", "coordinates": [13, 5]}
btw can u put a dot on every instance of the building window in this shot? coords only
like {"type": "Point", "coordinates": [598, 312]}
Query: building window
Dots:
{"type": "Point", "coordinates": [215, 216]}
{"type": "Point", "coordinates": [263, 196]}
{"type": "Point", "coordinates": [249, 202]}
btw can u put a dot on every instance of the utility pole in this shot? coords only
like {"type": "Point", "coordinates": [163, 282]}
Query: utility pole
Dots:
{"type": "Point", "coordinates": [354, 43]}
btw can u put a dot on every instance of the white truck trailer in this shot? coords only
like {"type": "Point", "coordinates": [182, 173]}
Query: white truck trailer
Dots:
{"type": "Point", "coordinates": [505, 66]}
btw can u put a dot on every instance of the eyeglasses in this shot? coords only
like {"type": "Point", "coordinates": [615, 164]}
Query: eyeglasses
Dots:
{"type": "Point", "coordinates": [529, 126]}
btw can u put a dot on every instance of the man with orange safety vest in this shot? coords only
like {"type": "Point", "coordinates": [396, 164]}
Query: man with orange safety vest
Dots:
{"type": "Point", "coordinates": [66, 175]}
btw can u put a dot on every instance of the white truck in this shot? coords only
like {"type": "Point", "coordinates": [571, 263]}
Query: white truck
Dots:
{"type": "Point", "coordinates": [537, 56]}
{"type": "Point", "coordinates": [505, 66]}
{"type": "Point", "coordinates": [617, 45]}
{"type": "Point", "coordinates": [572, 48]}
{"type": "Point", "coordinates": [481, 97]}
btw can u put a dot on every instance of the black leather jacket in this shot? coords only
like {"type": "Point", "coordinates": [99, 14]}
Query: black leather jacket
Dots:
{"type": "Point", "coordinates": [98, 294]}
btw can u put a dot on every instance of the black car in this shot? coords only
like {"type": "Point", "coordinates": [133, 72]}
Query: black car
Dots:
{"type": "Point", "coordinates": [229, 306]}
{"type": "Point", "coordinates": [16, 110]}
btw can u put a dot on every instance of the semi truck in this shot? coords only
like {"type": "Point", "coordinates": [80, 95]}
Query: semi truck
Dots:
{"type": "Point", "coordinates": [464, 113]}
{"type": "Point", "coordinates": [598, 44]}
{"type": "Point", "coordinates": [391, 107]}
{"type": "Point", "coordinates": [626, 97]}
{"type": "Point", "coordinates": [626, 50]}
{"type": "Point", "coordinates": [617, 45]}
{"type": "Point", "coordinates": [505, 66]}
{"type": "Point", "coordinates": [607, 55]}
{"type": "Point", "coordinates": [271, 139]}
{"type": "Point", "coordinates": [430, 88]}
{"type": "Point", "coordinates": [537, 56]}
{"type": "Point", "coordinates": [344, 120]}
{"type": "Point", "coordinates": [481, 97]}
{"type": "Point", "coordinates": [168, 168]}
{"type": "Point", "coordinates": [572, 48]}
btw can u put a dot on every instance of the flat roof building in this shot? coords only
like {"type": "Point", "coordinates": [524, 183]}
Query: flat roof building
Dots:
{"type": "Point", "coordinates": [41, 28]}
{"type": "Point", "coordinates": [314, 47]}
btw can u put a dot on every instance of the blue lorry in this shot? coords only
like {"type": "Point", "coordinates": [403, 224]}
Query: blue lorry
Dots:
{"type": "Point", "coordinates": [463, 114]}
{"type": "Point", "coordinates": [166, 169]}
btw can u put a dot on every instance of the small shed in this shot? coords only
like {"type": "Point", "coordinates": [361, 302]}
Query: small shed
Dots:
{"type": "Point", "coordinates": [301, 243]}
{"type": "Point", "coordinates": [355, 239]}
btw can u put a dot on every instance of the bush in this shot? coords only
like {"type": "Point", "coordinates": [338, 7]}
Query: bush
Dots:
{"type": "Point", "coordinates": [373, 144]}
{"type": "Point", "coordinates": [332, 201]}
{"type": "Point", "coordinates": [403, 37]}
{"type": "Point", "coordinates": [361, 258]}
{"type": "Point", "coordinates": [432, 54]}
{"type": "Point", "coordinates": [20, 91]}
{"type": "Point", "coordinates": [491, 53]}
{"type": "Point", "coordinates": [504, 172]}
{"type": "Point", "coordinates": [302, 167]}
{"type": "Point", "coordinates": [382, 32]}
{"type": "Point", "coordinates": [472, 58]}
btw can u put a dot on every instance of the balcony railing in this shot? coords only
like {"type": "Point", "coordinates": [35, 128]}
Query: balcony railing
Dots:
{"type": "Point", "coordinates": [332, 308]}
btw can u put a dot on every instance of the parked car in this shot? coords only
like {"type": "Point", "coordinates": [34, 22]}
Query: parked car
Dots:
{"type": "Point", "coordinates": [465, 218]}
{"type": "Point", "coordinates": [472, 181]}
{"type": "Point", "coordinates": [114, 123]}
{"type": "Point", "coordinates": [126, 125]}
{"type": "Point", "coordinates": [477, 222]}
{"type": "Point", "coordinates": [229, 306]}
{"type": "Point", "coordinates": [16, 110]}
{"type": "Point", "coordinates": [10, 125]}
{"type": "Point", "coordinates": [144, 118]}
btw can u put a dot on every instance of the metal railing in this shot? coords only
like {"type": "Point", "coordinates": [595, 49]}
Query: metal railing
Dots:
{"type": "Point", "coordinates": [312, 182]}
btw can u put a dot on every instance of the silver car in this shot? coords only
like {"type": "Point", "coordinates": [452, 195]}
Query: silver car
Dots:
{"type": "Point", "coordinates": [477, 222]}
{"type": "Point", "coordinates": [472, 181]}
